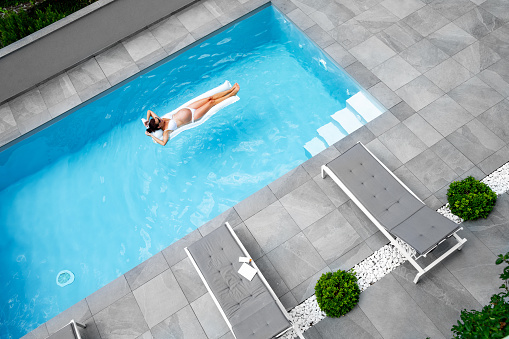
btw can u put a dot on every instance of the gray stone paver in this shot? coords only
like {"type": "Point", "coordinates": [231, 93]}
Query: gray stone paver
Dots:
{"type": "Point", "coordinates": [475, 96]}
{"type": "Point", "coordinates": [402, 111]}
{"type": "Point", "coordinates": [451, 39]}
{"type": "Point", "coordinates": [423, 55]}
{"type": "Point", "coordinates": [117, 64]}
{"type": "Point", "coordinates": [188, 280]}
{"type": "Point", "coordinates": [419, 92]}
{"type": "Point", "coordinates": [160, 297]}
{"type": "Point", "coordinates": [59, 95]}
{"type": "Point", "coordinates": [475, 141]}
{"type": "Point", "coordinates": [422, 129]}
{"type": "Point", "coordinates": [363, 75]}
{"type": "Point", "coordinates": [272, 276]}
{"type": "Point", "coordinates": [144, 49]}
{"type": "Point", "coordinates": [478, 22]}
{"type": "Point", "coordinates": [377, 18]}
{"type": "Point", "coordinates": [383, 153]}
{"type": "Point", "coordinates": [350, 34]}
{"type": "Point", "coordinates": [307, 288]}
{"type": "Point", "coordinates": [399, 36]}
{"type": "Point", "coordinates": [384, 95]}
{"type": "Point", "coordinates": [498, 41]}
{"type": "Point", "coordinates": [8, 125]}
{"type": "Point", "coordinates": [426, 20]}
{"type": "Point", "coordinates": [354, 325]}
{"type": "Point", "coordinates": [182, 324]}
{"type": "Point", "coordinates": [396, 72]}
{"type": "Point", "coordinates": [441, 296]}
{"type": "Point", "coordinates": [409, 179]}
{"type": "Point", "coordinates": [209, 317]}
{"type": "Point", "coordinates": [462, 48]}
{"type": "Point", "coordinates": [372, 52]}
{"type": "Point", "coordinates": [332, 236]}
{"type": "Point", "coordinates": [29, 111]}
{"type": "Point", "coordinates": [122, 319]}
{"type": "Point", "coordinates": [402, 142]}
{"type": "Point", "coordinates": [282, 228]}
{"type": "Point", "coordinates": [476, 57]}
{"type": "Point", "coordinates": [387, 299]}
{"type": "Point", "coordinates": [402, 8]}
{"type": "Point", "coordinates": [147, 270]}
{"type": "Point", "coordinates": [497, 76]}
{"type": "Point", "coordinates": [88, 79]}
{"type": "Point", "coordinates": [431, 170]}
{"type": "Point", "coordinates": [307, 204]}
{"type": "Point", "coordinates": [448, 75]}
{"type": "Point", "coordinates": [296, 260]}
{"type": "Point", "coordinates": [108, 294]}
{"type": "Point", "coordinates": [445, 115]}
{"type": "Point", "coordinates": [384, 122]}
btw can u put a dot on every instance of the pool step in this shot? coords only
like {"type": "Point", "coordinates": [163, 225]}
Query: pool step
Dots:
{"type": "Point", "coordinates": [358, 108]}
{"type": "Point", "coordinates": [347, 119]}
{"type": "Point", "coordinates": [313, 147]}
{"type": "Point", "coordinates": [361, 104]}
{"type": "Point", "coordinates": [330, 133]}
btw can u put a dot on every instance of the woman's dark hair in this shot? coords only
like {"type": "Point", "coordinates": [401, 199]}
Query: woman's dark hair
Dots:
{"type": "Point", "coordinates": [152, 126]}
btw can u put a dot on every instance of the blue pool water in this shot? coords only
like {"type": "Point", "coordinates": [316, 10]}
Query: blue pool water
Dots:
{"type": "Point", "coordinates": [93, 195]}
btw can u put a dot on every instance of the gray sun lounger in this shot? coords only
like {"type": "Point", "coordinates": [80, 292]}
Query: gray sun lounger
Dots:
{"type": "Point", "coordinates": [251, 309]}
{"type": "Point", "coordinates": [392, 206]}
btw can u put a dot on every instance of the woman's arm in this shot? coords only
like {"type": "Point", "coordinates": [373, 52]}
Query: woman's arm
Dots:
{"type": "Point", "coordinates": [166, 136]}
{"type": "Point", "coordinates": [151, 114]}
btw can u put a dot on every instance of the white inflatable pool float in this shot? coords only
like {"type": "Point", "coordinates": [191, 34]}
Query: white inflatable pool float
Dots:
{"type": "Point", "coordinates": [159, 133]}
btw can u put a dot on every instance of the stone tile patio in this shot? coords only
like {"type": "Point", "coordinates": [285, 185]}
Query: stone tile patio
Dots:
{"type": "Point", "coordinates": [440, 67]}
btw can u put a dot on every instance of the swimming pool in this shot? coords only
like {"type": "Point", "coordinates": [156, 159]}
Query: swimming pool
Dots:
{"type": "Point", "coordinates": [93, 195]}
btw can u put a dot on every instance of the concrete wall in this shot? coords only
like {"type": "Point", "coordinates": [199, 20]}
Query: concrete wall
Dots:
{"type": "Point", "coordinates": [52, 53]}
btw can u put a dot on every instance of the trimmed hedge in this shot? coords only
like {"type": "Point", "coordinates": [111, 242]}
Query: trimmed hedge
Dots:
{"type": "Point", "coordinates": [16, 25]}
{"type": "Point", "coordinates": [471, 199]}
{"type": "Point", "coordinates": [337, 293]}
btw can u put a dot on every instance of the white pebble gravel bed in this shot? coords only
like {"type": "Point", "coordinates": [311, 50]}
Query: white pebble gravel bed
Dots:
{"type": "Point", "coordinates": [498, 180]}
{"type": "Point", "coordinates": [383, 261]}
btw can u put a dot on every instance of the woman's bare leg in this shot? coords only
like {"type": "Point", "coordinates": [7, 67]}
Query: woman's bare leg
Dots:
{"type": "Point", "coordinates": [197, 104]}
{"type": "Point", "coordinates": [201, 111]}
{"type": "Point", "coordinates": [225, 93]}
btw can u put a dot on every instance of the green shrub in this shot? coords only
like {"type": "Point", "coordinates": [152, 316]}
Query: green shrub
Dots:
{"type": "Point", "coordinates": [471, 199]}
{"type": "Point", "coordinates": [46, 18]}
{"type": "Point", "coordinates": [337, 293]}
{"type": "Point", "coordinates": [493, 320]}
{"type": "Point", "coordinates": [13, 26]}
{"type": "Point", "coordinates": [17, 25]}
{"type": "Point", "coordinates": [8, 3]}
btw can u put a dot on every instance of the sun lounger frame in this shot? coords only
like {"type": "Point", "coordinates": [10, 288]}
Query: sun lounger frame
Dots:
{"type": "Point", "coordinates": [75, 330]}
{"type": "Point", "coordinates": [394, 241]}
{"type": "Point", "coordinates": [271, 291]}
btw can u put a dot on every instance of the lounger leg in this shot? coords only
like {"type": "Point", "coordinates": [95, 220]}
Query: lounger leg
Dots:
{"type": "Point", "coordinates": [417, 277]}
{"type": "Point", "coordinates": [459, 240]}
{"type": "Point", "coordinates": [323, 172]}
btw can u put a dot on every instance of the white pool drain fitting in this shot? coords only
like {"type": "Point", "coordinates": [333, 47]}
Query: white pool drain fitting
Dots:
{"type": "Point", "coordinates": [65, 278]}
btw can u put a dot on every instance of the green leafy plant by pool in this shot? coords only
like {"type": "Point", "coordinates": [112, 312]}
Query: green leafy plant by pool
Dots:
{"type": "Point", "coordinates": [17, 23]}
{"type": "Point", "coordinates": [337, 293]}
{"type": "Point", "coordinates": [493, 320]}
{"type": "Point", "coordinates": [471, 199]}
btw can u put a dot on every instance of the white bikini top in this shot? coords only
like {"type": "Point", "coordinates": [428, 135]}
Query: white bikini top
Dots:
{"type": "Point", "coordinates": [172, 125]}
